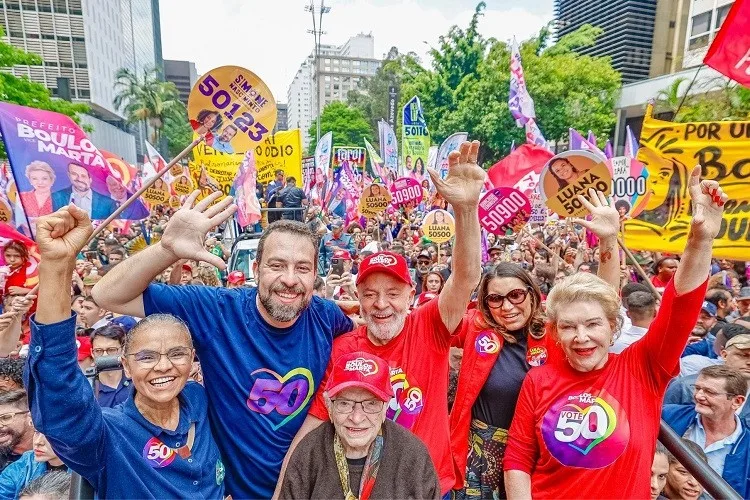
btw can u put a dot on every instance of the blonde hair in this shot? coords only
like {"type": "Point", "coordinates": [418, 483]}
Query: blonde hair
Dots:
{"type": "Point", "coordinates": [584, 287]}
{"type": "Point", "coordinates": [40, 166]}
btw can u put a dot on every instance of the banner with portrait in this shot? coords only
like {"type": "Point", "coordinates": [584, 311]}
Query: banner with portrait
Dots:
{"type": "Point", "coordinates": [54, 164]}
{"type": "Point", "coordinates": [415, 140]}
{"type": "Point", "coordinates": [670, 151]}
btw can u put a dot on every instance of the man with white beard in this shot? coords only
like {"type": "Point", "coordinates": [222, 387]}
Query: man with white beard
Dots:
{"type": "Point", "coordinates": [416, 345]}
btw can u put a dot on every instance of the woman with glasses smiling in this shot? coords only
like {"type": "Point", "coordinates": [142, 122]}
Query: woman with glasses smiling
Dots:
{"type": "Point", "coordinates": [503, 338]}
{"type": "Point", "coordinates": [158, 443]}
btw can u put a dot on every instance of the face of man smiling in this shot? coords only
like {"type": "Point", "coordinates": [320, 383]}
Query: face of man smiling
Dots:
{"type": "Point", "coordinates": [384, 303]}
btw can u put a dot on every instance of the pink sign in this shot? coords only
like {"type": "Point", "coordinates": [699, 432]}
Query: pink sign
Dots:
{"type": "Point", "coordinates": [504, 210]}
{"type": "Point", "coordinates": [406, 192]}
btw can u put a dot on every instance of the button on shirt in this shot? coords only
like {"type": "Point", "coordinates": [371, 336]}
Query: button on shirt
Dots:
{"type": "Point", "coordinates": [117, 450]}
{"type": "Point", "coordinates": [717, 452]}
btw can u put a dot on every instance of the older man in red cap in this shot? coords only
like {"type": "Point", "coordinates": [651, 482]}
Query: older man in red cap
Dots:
{"type": "Point", "coordinates": [359, 453]}
{"type": "Point", "coordinates": [416, 345]}
{"type": "Point", "coordinates": [236, 279]}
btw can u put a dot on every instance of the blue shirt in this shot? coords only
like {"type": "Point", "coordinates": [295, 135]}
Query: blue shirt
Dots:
{"type": "Point", "coordinates": [260, 380]}
{"type": "Point", "coordinates": [117, 450]}
{"type": "Point", "coordinates": [221, 146]}
{"type": "Point", "coordinates": [109, 397]}
{"type": "Point", "coordinates": [717, 452]}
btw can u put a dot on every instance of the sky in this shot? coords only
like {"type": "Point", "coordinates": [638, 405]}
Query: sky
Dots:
{"type": "Point", "coordinates": [270, 38]}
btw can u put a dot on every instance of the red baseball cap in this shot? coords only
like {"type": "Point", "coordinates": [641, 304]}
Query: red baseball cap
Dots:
{"type": "Point", "coordinates": [361, 369]}
{"type": "Point", "coordinates": [342, 254]}
{"type": "Point", "coordinates": [236, 277]}
{"type": "Point", "coordinates": [384, 262]}
{"type": "Point", "coordinates": [84, 347]}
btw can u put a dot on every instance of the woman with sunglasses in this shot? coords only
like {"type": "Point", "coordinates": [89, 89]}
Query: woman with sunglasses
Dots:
{"type": "Point", "coordinates": [502, 340]}
{"type": "Point", "coordinates": [157, 444]}
{"type": "Point", "coordinates": [586, 426]}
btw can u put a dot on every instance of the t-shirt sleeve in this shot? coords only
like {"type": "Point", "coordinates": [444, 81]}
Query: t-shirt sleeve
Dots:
{"type": "Point", "coordinates": [198, 306]}
{"type": "Point", "coordinates": [318, 407]}
{"type": "Point", "coordinates": [660, 349]}
{"type": "Point", "coordinates": [341, 322]}
{"type": "Point", "coordinates": [523, 448]}
{"type": "Point", "coordinates": [427, 319]}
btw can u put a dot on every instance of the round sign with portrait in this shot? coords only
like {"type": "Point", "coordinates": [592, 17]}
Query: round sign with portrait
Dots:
{"type": "Point", "coordinates": [174, 202]}
{"type": "Point", "coordinates": [629, 185]}
{"type": "Point", "coordinates": [158, 193]}
{"type": "Point", "coordinates": [407, 192]}
{"type": "Point", "coordinates": [569, 174]}
{"type": "Point", "coordinates": [182, 185]}
{"type": "Point", "coordinates": [5, 213]}
{"type": "Point", "coordinates": [439, 226]}
{"type": "Point", "coordinates": [374, 200]}
{"type": "Point", "coordinates": [504, 210]}
{"type": "Point", "coordinates": [176, 170]}
{"type": "Point", "coordinates": [233, 108]}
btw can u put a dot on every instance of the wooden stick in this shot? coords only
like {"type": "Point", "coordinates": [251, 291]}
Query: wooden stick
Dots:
{"type": "Point", "coordinates": [137, 194]}
{"type": "Point", "coordinates": [638, 267]}
{"type": "Point", "coordinates": [541, 243]}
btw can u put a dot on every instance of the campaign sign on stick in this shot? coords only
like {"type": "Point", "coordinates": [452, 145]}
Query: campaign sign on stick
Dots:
{"type": "Point", "coordinates": [439, 226]}
{"type": "Point", "coordinates": [629, 185]}
{"type": "Point", "coordinates": [233, 108]}
{"type": "Point", "coordinates": [569, 174]}
{"type": "Point", "coordinates": [182, 185]}
{"type": "Point", "coordinates": [504, 210]}
{"type": "Point", "coordinates": [157, 194]}
{"type": "Point", "coordinates": [407, 192]}
{"type": "Point", "coordinates": [375, 199]}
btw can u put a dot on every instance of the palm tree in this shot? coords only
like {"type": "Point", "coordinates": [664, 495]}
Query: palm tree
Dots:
{"type": "Point", "coordinates": [668, 100]}
{"type": "Point", "coordinates": [148, 100]}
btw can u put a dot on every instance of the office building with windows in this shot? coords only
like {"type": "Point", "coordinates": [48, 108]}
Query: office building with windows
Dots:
{"type": "Point", "coordinates": [337, 70]}
{"type": "Point", "coordinates": [183, 75]}
{"type": "Point", "coordinates": [706, 17]}
{"type": "Point", "coordinates": [83, 43]}
{"type": "Point", "coordinates": [281, 117]}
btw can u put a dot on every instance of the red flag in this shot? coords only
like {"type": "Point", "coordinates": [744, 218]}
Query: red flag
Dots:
{"type": "Point", "coordinates": [520, 169]}
{"type": "Point", "coordinates": [729, 54]}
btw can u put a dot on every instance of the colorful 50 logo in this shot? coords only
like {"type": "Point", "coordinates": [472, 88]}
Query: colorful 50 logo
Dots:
{"type": "Point", "coordinates": [285, 395]}
{"type": "Point", "coordinates": [158, 454]}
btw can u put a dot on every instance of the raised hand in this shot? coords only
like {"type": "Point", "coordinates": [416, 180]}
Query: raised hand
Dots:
{"type": "Point", "coordinates": [465, 178]}
{"type": "Point", "coordinates": [186, 231]}
{"type": "Point", "coordinates": [708, 200]}
{"type": "Point", "coordinates": [22, 305]}
{"type": "Point", "coordinates": [62, 234]}
{"type": "Point", "coordinates": [605, 220]}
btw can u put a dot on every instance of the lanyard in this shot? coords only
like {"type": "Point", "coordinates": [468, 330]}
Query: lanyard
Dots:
{"type": "Point", "coordinates": [369, 473]}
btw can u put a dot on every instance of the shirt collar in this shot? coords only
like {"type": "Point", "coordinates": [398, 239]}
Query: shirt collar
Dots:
{"type": "Point", "coordinates": [730, 439]}
{"type": "Point", "coordinates": [187, 416]}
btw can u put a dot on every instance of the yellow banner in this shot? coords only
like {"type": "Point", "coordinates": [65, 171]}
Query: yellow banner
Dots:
{"type": "Point", "coordinates": [213, 171]}
{"type": "Point", "coordinates": [670, 151]}
{"type": "Point", "coordinates": [283, 150]}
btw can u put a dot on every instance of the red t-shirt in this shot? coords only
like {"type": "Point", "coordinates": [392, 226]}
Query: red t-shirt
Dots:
{"type": "Point", "coordinates": [592, 435]}
{"type": "Point", "coordinates": [418, 358]}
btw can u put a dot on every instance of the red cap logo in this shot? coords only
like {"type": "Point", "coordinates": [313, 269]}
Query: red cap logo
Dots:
{"type": "Point", "coordinates": [383, 260]}
{"type": "Point", "coordinates": [364, 366]}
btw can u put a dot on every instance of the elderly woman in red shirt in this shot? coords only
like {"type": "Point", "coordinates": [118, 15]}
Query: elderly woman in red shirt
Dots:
{"type": "Point", "coordinates": [586, 426]}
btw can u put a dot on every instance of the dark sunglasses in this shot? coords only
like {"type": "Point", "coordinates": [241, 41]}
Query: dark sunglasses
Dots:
{"type": "Point", "coordinates": [515, 297]}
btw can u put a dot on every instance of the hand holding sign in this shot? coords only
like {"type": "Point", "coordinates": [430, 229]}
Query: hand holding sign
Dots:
{"type": "Point", "coordinates": [465, 178]}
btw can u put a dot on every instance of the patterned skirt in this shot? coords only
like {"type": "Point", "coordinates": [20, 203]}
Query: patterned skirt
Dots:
{"type": "Point", "coordinates": [484, 466]}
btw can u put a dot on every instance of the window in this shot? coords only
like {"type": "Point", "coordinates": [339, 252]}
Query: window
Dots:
{"type": "Point", "coordinates": [700, 31]}
{"type": "Point", "coordinates": [721, 14]}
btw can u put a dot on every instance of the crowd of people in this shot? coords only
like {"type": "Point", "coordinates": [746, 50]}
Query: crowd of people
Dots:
{"type": "Point", "coordinates": [368, 361]}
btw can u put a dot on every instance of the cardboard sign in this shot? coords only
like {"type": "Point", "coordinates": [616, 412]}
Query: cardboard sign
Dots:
{"type": "Point", "coordinates": [157, 194]}
{"type": "Point", "coordinates": [569, 174]}
{"type": "Point", "coordinates": [233, 108]}
{"type": "Point", "coordinates": [176, 170]}
{"type": "Point", "coordinates": [629, 185]}
{"type": "Point", "coordinates": [182, 185]}
{"type": "Point", "coordinates": [407, 192]}
{"type": "Point", "coordinates": [439, 226]}
{"type": "Point", "coordinates": [374, 200]}
{"type": "Point", "coordinates": [504, 210]}
{"type": "Point", "coordinates": [174, 202]}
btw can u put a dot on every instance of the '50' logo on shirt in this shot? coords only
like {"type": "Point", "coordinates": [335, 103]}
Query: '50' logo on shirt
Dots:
{"type": "Point", "coordinates": [287, 394]}
{"type": "Point", "coordinates": [487, 343]}
{"type": "Point", "coordinates": [158, 454]}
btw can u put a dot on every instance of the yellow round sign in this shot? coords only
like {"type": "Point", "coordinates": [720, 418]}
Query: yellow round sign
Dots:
{"type": "Point", "coordinates": [182, 185]}
{"type": "Point", "coordinates": [5, 212]}
{"type": "Point", "coordinates": [569, 174]}
{"type": "Point", "coordinates": [176, 170]}
{"type": "Point", "coordinates": [439, 226]}
{"type": "Point", "coordinates": [233, 108]}
{"type": "Point", "coordinates": [174, 202]}
{"type": "Point", "coordinates": [158, 193]}
{"type": "Point", "coordinates": [374, 200]}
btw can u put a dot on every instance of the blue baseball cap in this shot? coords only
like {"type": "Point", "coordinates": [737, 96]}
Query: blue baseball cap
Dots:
{"type": "Point", "coordinates": [126, 322]}
{"type": "Point", "coordinates": [709, 308]}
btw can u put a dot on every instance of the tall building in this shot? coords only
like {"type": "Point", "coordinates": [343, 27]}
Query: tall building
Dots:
{"type": "Point", "coordinates": [628, 31]}
{"type": "Point", "coordinates": [282, 117]}
{"type": "Point", "coordinates": [706, 17]}
{"type": "Point", "coordinates": [338, 70]}
{"type": "Point", "coordinates": [84, 43]}
{"type": "Point", "coordinates": [182, 74]}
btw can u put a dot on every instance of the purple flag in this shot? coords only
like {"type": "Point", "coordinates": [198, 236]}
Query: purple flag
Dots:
{"type": "Point", "coordinates": [519, 101]}
{"type": "Point", "coordinates": [608, 150]}
{"type": "Point", "coordinates": [631, 143]}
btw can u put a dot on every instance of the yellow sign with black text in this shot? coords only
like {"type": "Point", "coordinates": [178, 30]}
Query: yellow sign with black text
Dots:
{"type": "Point", "coordinates": [280, 151]}
{"type": "Point", "coordinates": [670, 151]}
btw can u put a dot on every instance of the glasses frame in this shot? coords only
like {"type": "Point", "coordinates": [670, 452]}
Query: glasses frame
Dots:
{"type": "Point", "coordinates": [360, 403]}
{"type": "Point", "coordinates": [190, 357]}
{"type": "Point", "coordinates": [526, 292]}
{"type": "Point", "coordinates": [710, 394]}
{"type": "Point", "coordinates": [106, 353]}
{"type": "Point", "coordinates": [4, 423]}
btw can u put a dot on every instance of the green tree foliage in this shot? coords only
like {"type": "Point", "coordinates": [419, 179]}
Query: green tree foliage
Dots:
{"type": "Point", "coordinates": [177, 131]}
{"type": "Point", "coordinates": [713, 99]}
{"type": "Point", "coordinates": [347, 123]}
{"type": "Point", "coordinates": [21, 90]}
{"type": "Point", "coordinates": [147, 100]}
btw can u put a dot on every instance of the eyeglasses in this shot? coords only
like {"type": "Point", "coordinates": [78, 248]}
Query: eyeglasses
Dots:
{"type": "Point", "coordinates": [178, 356]}
{"type": "Point", "coordinates": [347, 405]}
{"type": "Point", "coordinates": [5, 418]}
{"type": "Point", "coordinates": [515, 297]}
{"type": "Point", "coordinates": [709, 393]}
{"type": "Point", "coordinates": [109, 351]}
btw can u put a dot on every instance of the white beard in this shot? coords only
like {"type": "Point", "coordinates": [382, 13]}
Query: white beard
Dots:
{"type": "Point", "coordinates": [385, 332]}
